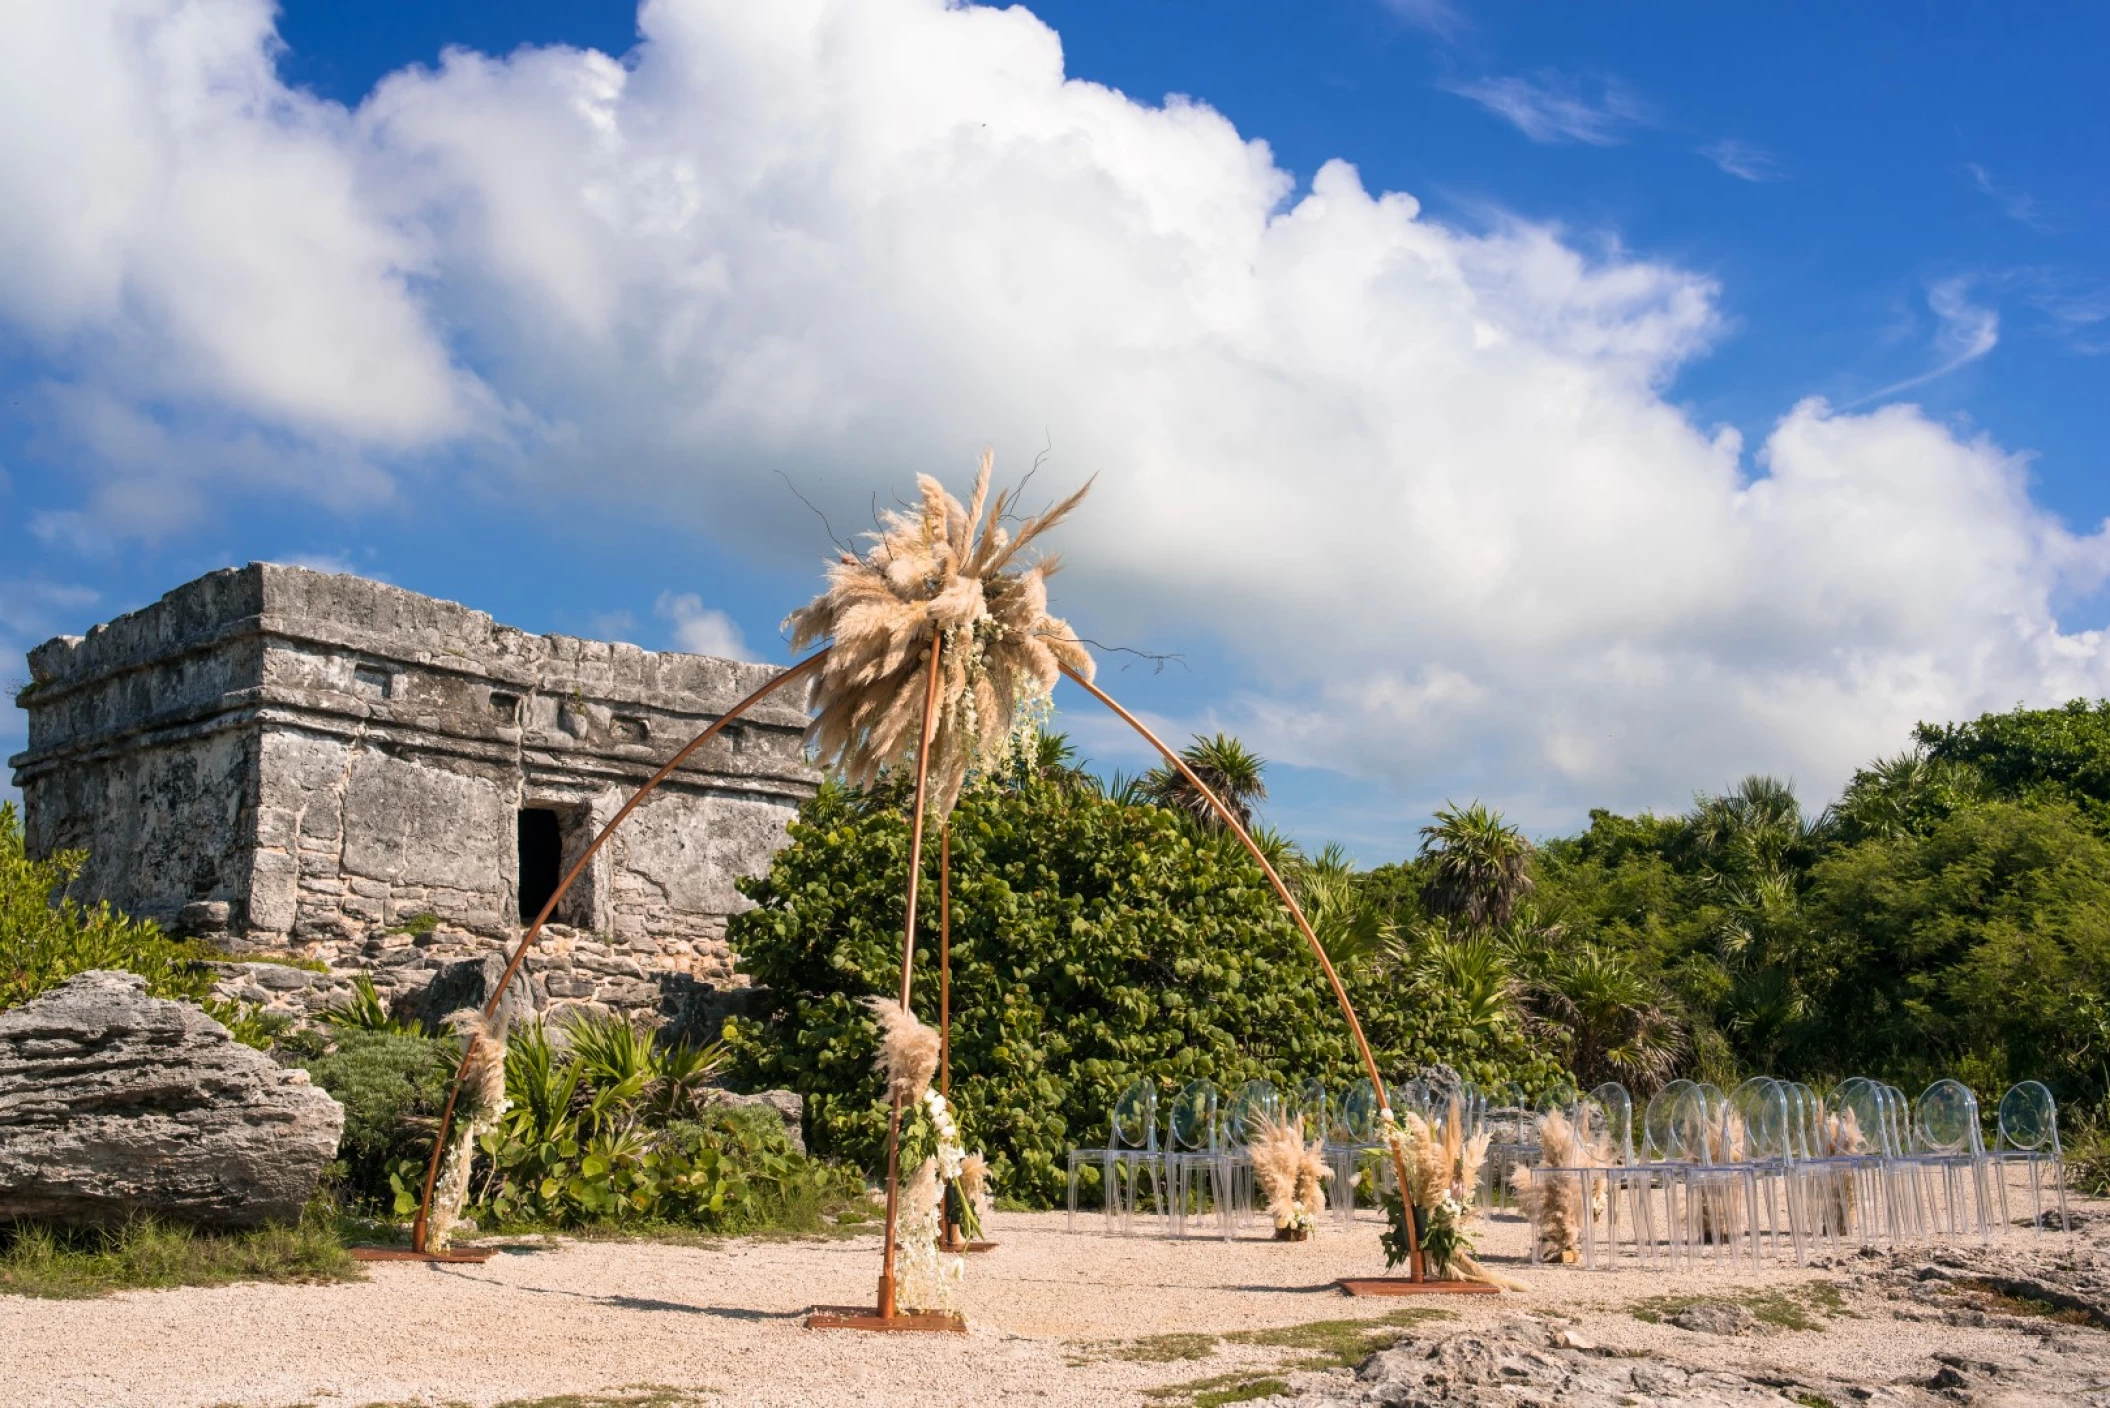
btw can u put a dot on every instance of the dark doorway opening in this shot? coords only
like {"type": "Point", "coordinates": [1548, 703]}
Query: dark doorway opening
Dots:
{"type": "Point", "coordinates": [541, 859]}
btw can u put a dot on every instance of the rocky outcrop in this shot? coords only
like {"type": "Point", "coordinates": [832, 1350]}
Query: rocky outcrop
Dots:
{"type": "Point", "coordinates": [114, 1103]}
{"type": "Point", "coordinates": [1523, 1362]}
{"type": "Point", "coordinates": [787, 1105]}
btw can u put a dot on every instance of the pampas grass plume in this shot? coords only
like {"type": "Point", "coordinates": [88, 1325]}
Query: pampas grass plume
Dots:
{"type": "Point", "coordinates": [908, 1050]}
{"type": "Point", "coordinates": [947, 571]}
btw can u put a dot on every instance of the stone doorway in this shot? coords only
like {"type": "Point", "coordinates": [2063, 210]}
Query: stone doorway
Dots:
{"type": "Point", "coordinates": [541, 859]}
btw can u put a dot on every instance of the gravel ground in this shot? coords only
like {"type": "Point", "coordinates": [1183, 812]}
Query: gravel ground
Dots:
{"type": "Point", "coordinates": [1055, 1319]}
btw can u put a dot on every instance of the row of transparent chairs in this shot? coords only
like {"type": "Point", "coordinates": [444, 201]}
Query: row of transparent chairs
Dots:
{"type": "Point", "coordinates": [1199, 1163]}
{"type": "Point", "coordinates": [1769, 1168]}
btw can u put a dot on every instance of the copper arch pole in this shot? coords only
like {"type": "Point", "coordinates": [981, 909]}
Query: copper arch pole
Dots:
{"type": "Point", "coordinates": [549, 907]}
{"type": "Point", "coordinates": [1340, 993]}
{"type": "Point", "coordinates": [908, 958]}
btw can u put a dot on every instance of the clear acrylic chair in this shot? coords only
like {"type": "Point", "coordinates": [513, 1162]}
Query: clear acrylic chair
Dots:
{"type": "Point", "coordinates": [1351, 1135]}
{"type": "Point", "coordinates": [2028, 1141]}
{"type": "Point", "coordinates": [1848, 1169]}
{"type": "Point", "coordinates": [1767, 1111]}
{"type": "Point", "coordinates": [1310, 1103]}
{"type": "Point", "coordinates": [1512, 1121]}
{"type": "Point", "coordinates": [1714, 1186]}
{"type": "Point", "coordinates": [1252, 1105]}
{"type": "Point", "coordinates": [1948, 1165]}
{"type": "Point", "coordinates": [1191, 1151]}
{"type": "Point", "coordinates": [1131, 1156]}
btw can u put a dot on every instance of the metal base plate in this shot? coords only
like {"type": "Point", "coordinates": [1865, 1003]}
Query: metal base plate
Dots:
{"type": "Point", "coordinates": [1402, 1286]}
{"type": "Point", "coordinates": [864, 1317]}
{"type": "Point", "coordinates": [468, 1254]}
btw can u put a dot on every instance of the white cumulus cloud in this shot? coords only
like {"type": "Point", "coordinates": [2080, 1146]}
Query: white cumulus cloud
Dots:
{"type": "Point", "coordinates": [1427, 486]}
{"type": "Point", "coordinates": [699, 629]}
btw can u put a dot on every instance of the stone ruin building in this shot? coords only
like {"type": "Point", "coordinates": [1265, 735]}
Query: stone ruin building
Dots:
{"type": "Point", "coordinates": [298, 763]}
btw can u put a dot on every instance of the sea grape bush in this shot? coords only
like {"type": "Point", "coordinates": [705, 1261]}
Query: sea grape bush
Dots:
{"type": "Point", "coordinates": [1094, 940]}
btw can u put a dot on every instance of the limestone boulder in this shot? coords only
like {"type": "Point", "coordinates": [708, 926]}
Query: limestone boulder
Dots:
{"type": "Point", "coordinates": [113, 1102]}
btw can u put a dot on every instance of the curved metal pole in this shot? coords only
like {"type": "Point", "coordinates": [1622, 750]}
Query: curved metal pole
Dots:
{"type": "Point", "coordinates": [549, 907]}
{"type": "Point", "coordinates": [908, 958]}
{"type": "Point", "coordinates": [1340, 992]}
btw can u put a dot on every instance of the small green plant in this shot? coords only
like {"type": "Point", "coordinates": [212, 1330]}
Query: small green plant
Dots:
{"type": "Point", "coordinates": [391, 1085]}
{"type": "Point", "coordinates": [417, 925]}
{"type": "Point", "coordinates": [364, 1011]}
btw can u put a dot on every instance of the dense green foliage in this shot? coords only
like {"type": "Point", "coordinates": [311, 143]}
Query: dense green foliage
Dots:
{"type": "Point", "coordinates": [48, 936]}
{"type": "Point", "coordinates": [1949, 915]}
{"type": "Point", "coordinates": [608, 1128]}
{"type": "Point", "coordinates": [1095, 939]}
{"type": "Point", "coordinates": [614, 1127]}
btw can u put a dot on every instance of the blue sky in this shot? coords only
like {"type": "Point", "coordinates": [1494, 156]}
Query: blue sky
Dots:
{"type": "Point", "coordinates": [1517, 490]}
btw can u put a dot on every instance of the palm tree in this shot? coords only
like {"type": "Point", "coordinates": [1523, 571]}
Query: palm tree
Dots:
{"type": "Point", "coordinates": [1351, 926]}
{"type": "Point", "coordinates": [1755, 828]}
{"type": "Point", "coordinates": [1596, 1004]}
{"type": "Point", "coordinates": [1479, 866]}
{"type": "Point", "coordinates": [1473, 970]}
{"type": "Point", "coordinates": [1896, 797]}
{"type": "Point", "coordinates": [1226, 767]}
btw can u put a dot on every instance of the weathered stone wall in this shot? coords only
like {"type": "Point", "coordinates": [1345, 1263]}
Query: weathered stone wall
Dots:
{"type": "Point", "coordinates": [310, 763]}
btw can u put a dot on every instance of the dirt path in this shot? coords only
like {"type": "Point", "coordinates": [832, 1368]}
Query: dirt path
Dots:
{"type": "Point", "coordinates": [1082, 1319]}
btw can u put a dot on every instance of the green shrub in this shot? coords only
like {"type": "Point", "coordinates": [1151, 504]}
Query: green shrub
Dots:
{"type": "Point", "coordinates": [392, 1086]}
{"type": "Point", "coordinates": [47, 936]}
{"type": "Point", "coordinates": [1094, 940]}
{"type": "Point", "coordinates": [587, 1140]}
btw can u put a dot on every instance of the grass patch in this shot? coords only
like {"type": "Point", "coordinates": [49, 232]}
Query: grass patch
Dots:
{"type": "Point", "coordinates": [281, 960]}
{"type": "Point", "coordinates": [38, 1260]}
{"type": "Point", "coordinates": [1164, 1349]}
{"type": "Point", "coordinates": [1806, 1307]}
{"type": "Point", "coordinates": [1339, 1344]}
{"type": "Point", "coordinates": [640, 1396]}
{"type": "Point", "coordinates": [1220, 1389]}
{"type": "Point", "coordinates": [2009, 1302]}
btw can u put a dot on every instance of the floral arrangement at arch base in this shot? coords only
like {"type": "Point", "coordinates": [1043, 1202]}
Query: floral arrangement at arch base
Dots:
{"type": "Point", "coordinates": [1443, 1170]}
{"type": "Point", "coordinates": [948, 1184]}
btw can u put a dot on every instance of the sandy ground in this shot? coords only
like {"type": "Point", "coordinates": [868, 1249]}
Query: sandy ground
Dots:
{"type": "Point", "coordinates": [1052, 1316]}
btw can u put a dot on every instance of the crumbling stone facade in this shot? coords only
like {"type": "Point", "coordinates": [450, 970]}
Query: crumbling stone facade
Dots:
{"type": "Point", "coordinates": [299, 762]}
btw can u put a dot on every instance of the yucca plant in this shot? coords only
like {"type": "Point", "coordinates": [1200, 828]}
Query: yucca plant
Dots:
{"type": "Point", "coordinates": [364, 1011]}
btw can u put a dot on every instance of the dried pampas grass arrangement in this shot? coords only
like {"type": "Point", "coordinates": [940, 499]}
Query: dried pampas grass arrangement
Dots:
{"type": "Point", "coordinates": [974, 1187]}
{"type": "Point", "coordinates": [1553, 1201]}
{"type": "Point", "coordinates": [483, 1102]}
{"type": "Point", "coordinates": [908, 1050]}
{"type": "Point", "coordinates": [941, 570]}
{"type": "Point", "coordinates": [1290, 1173]}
